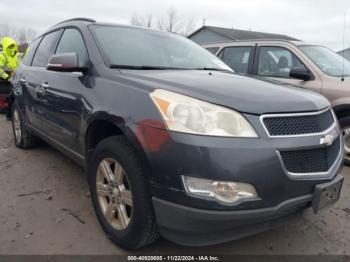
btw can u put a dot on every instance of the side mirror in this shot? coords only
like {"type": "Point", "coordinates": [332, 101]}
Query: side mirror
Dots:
{"type": "Point", "coordinates": [300, 73]}
{"type": "Point", "coordinates": [66, 62]}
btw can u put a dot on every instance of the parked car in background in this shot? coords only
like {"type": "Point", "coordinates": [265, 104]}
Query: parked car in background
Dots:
{"type": "Point", "coordinates": [173, 142]}
{"type": "Point", "coordinates": [5, 87]}
{"type": "Point", "coordinates": [309, 66]}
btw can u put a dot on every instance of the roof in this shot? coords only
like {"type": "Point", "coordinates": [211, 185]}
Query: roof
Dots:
{"type": "Point", "coordinates": [236, 34]}
{"type": "Point", "coordinates": [343, 51]}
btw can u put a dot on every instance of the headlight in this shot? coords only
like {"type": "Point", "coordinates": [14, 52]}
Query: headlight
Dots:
{"type": "Point", "coordinates": [220, 191]}
{"type": "Point", "coordinates": [189, 115]}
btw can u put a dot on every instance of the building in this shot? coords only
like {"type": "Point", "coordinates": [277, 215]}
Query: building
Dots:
{"type": "Point", "coordinates": [211, 34]}
{"type": "Point", "coordinates": [345, 53]}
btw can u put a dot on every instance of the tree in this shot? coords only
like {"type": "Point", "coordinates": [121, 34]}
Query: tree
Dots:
{"type": "Point", "coordinates": [149, 19]}
{"type": "Point", "coordinates": [189, 27]}
{"type": "Point", "coordinates": [136, 20]}
{"type": "Point", "coordinates": [171, 22]}
{"type": "Point", "coordinates": [23, 35]}
{"type": "Point", "coordinates": [7, 30]}
{"type": "Point", "coordinates": [142, 21]}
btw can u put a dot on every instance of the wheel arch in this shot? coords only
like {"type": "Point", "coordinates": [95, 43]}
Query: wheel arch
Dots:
{"type": "Point", "coordinates": [103, 125]}
{"type": "Point", "coordinates": [342, 110]}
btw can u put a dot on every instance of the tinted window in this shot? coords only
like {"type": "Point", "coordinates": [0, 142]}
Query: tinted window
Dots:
{"type": "Point", "coordinates": [72, 41]}
{"type": "Point", "coordinates": [45, 49]}
{"type": "Point", "coordinates": [213, 50]}
{"type": "Point", "coordinates": [28, 56]}
{"type": "Point", "coordinates": [237, 58]}
{"type": "Point", "coordinates": [277, 62]}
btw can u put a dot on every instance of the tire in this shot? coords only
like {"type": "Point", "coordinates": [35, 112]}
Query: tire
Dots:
{"type": "Point", "coordinates": [21, 135]}
{"type": "Point", "coordinates": [139, 227]}
{"type": "Point", "coordinates": [345, 127]}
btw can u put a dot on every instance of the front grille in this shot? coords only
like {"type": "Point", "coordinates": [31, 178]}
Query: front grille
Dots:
{"type": "Point", "coordinates": [298, 124]}
{"type": "Point", "coordinates": [311, 160]}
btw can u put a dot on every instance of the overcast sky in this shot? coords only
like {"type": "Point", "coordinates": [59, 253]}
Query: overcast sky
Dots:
{"type": "Point", "coordinates": [317, 21]}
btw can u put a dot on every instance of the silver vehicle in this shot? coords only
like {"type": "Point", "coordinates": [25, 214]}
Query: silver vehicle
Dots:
{"type": "Point", "coordinates": [306, 65]}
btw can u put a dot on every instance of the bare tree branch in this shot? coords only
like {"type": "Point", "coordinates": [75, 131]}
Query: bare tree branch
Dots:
{"type": "Point", "coordinates": [189, 27]}
{"type": "Point", "coordinates": [171, 22]}
{"type": "Point", "coordinates": [149, 21]}
{"type": "Point", "coordinates": [141, 21]}
{"type": "Point", "coordinates": [136, 20]}
{"type": "Point", "coordinates": [23, 35]}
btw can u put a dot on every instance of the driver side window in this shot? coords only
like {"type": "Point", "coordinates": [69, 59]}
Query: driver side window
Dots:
{"type": "Point", "coordinates": [72, 42]}
{"type": "Point", "coordinates": [277, 62]}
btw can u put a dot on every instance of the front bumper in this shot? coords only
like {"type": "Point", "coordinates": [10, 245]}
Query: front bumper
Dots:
{"type": "Point", "coordinates": [248, 160]}
{"type": "Point", "coordinates": [197, 227]}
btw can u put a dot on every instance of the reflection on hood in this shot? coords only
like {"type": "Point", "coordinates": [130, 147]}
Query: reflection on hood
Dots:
{"type": "Point", "coordinates": [6, 42]}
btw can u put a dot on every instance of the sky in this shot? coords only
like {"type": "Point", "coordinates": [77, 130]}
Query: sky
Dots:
{"type": "Point", "coordinates": [316, 21]}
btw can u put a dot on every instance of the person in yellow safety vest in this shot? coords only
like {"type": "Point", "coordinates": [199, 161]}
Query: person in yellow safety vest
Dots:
{"type": "Point", "coordinates": [9, 61]}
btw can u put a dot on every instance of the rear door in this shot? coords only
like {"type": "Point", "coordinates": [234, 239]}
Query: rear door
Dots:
{"type": "Point", "coordinates": [275, 62]}
{"type": "Point", "coordinates": [239, 58]}
{"type": "Point", "coordinates": [64, 94]}
{"type": "Point", "coordinates": [33, 76]}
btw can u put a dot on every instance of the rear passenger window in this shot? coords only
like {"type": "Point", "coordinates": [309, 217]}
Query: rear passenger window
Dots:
{"type": "Point", "coordinates": [237, 58]}
{"type": "Point", "coordinates": [28, 56]}
{"type": "Point", "coordinates": [72, 42]}
{"type": "Point", "coordinates": [45, 49]}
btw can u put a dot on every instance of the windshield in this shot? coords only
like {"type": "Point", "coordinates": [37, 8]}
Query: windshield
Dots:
{"type": "Point", "coordinates": [138, 48]}
{"type": "Point", "coordinates": [328, 61]}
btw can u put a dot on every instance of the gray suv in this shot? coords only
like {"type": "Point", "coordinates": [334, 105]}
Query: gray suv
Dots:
{"type": "Point", "coordinates": [173, 142]}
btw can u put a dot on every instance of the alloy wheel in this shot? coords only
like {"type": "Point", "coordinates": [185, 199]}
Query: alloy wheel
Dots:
{"type": "Point", "coordinates": [17, 126]}
{"type": "Point", "coordinates": [114, 193]}
{"type": "Point", "coordinates": [346, 136]}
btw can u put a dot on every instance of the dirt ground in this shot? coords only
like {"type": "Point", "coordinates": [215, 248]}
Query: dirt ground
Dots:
{"type": "Point", "coordinates": [46, 209]}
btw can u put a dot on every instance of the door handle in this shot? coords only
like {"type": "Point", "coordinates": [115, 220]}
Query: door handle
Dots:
{"type": "Point", "coordinates": [41, 92]}
{"type": "Point", "coordinates": [23, 80]}
{"type": "Point", "coordinates": [44, 86]}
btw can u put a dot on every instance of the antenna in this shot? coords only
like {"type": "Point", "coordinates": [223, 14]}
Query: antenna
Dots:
{"type": "Point", "coordinates": [342, 74]}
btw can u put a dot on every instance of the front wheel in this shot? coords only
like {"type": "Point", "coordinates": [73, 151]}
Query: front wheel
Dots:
{"type": "Point", "coordinates": [345, 127]}
{"type": "Point", "coordinates": [21, 135]}
{"type": "Point", "coordinates": [120, 194]}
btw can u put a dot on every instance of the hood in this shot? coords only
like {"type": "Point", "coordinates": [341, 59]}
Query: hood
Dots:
{"type": "Point", "coordinates": [6, 42]}
{"type": "Point", "coordinates": [241, 93]}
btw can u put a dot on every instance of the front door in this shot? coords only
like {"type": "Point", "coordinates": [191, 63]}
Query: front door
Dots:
{"type": "Point", "coordinates": [64, 94]}
{"type": "Point", "coordinates": [275, 62]}
{"type": "Point", "coordinates": [33, 77]}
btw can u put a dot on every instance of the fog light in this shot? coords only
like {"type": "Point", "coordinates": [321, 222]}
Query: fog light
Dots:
{"type": "Point", "coordinates": [220, 191]}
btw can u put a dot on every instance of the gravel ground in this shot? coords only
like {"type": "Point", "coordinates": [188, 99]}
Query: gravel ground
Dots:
{"type": "Point", "coordinates": [46, 209]}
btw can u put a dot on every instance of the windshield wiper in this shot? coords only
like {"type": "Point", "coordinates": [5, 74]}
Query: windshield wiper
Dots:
{"type": "Point", "coordinates": [142, 67]}
{"type": "Point", "coordinates": [213, 69]}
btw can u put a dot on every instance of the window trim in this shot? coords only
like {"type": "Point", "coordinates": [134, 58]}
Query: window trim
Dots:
{"type": "Point", "coordinates": [250, 60]}
{"type": "Point", "coordinates": [31, 60]}
{"type": "Point", "coordinates": [257, 60]}
{"type": "Point", "coordinates": [42, 38]}
{"type": "Point", "coordinates": [82, 37]}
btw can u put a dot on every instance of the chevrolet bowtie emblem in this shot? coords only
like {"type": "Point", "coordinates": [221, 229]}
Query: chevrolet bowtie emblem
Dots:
{"type": "Point", "coordinates": [327, 139]}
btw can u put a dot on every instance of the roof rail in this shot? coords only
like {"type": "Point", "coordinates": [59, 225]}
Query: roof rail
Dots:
{"type": "Point", "coordinates": [83, 19]}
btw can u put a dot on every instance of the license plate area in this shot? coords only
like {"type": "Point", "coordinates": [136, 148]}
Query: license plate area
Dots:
{"type": "Point", "coordinates": [327, 193]}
